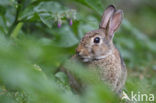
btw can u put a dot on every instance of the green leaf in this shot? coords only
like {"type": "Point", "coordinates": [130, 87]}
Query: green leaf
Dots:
{"type": "Point", "coordinates": [48, 6]}
{"type": "Point", "coordinates": [47, 12]}
{"type": "Point", "coordinates": [62, 77]}
{"type": "Point", "coordinates": [64, 37]}
{"type": "Point", "coordinates": [90, 24]}
{"type": "Point", "coordinates": [47, 19]}
{"type": "Point", "coordinates": [5, 2]}
{"type": "Point", "coordinates": [96, 5]}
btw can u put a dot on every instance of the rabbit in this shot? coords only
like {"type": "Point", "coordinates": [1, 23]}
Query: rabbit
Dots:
{"type": "Point", "coordinates": [96, 49]}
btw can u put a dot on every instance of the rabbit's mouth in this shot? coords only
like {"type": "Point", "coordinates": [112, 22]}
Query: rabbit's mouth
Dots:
{"type": "Point", "coordinates": [85, 58]}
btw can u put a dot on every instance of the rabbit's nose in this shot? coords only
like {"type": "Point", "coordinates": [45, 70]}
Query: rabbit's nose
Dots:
{"type": "Point", "coordinates": [78, 50]}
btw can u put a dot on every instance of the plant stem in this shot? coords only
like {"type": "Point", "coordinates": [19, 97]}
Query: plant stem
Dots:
{"type": "Point", "coordinates": [16, 30]}
{"type": "Point", "coordinates": [16, 18]}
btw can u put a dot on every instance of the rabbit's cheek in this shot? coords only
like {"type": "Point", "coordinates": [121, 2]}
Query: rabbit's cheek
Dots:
{"type": "Point", "coordinates": [85, 52]}
{"type": "Point", "coordinates": [95, 50]}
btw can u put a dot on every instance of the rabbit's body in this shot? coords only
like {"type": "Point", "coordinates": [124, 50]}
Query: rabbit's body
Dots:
{"type": "Point", "coordinates": [111, 69]}
{"type": "Point", "coordinates": [96, 49]}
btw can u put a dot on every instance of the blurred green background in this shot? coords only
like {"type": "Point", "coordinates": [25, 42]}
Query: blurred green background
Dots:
{"type": "Point", "coordinates": [38, 36]}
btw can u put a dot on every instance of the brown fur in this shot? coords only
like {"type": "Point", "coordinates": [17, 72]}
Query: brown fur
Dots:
{"type": "Point", "coordinates": [111, 70]}
{"type": "Point", "coordinates": [103, 56]}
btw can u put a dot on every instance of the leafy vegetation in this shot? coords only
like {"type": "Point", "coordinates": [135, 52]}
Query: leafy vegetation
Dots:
{"type": "Point", "coordinates": [38, 36]}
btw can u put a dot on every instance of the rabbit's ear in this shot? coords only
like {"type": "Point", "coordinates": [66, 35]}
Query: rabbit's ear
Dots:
{"type": "Point", "coordinates": [114, 23]}
{"type": "Point", "coordinates": [106, 16]}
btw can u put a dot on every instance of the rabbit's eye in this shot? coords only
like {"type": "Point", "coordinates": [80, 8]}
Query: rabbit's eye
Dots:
{"type": "Point", "coordinates": [96, 40]}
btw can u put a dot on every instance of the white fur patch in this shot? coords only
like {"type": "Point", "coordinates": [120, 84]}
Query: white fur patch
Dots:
{"type": "Point", "coordinates": [85, 60]}
{"type": "Point", "coordinates": [88, 58]}
{"type": "Point", "coordinates": [104, 56]}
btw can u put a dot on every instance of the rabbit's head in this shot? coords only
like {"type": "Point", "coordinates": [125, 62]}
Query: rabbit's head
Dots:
{"type": "Point", "coordinates": [98, 44]}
